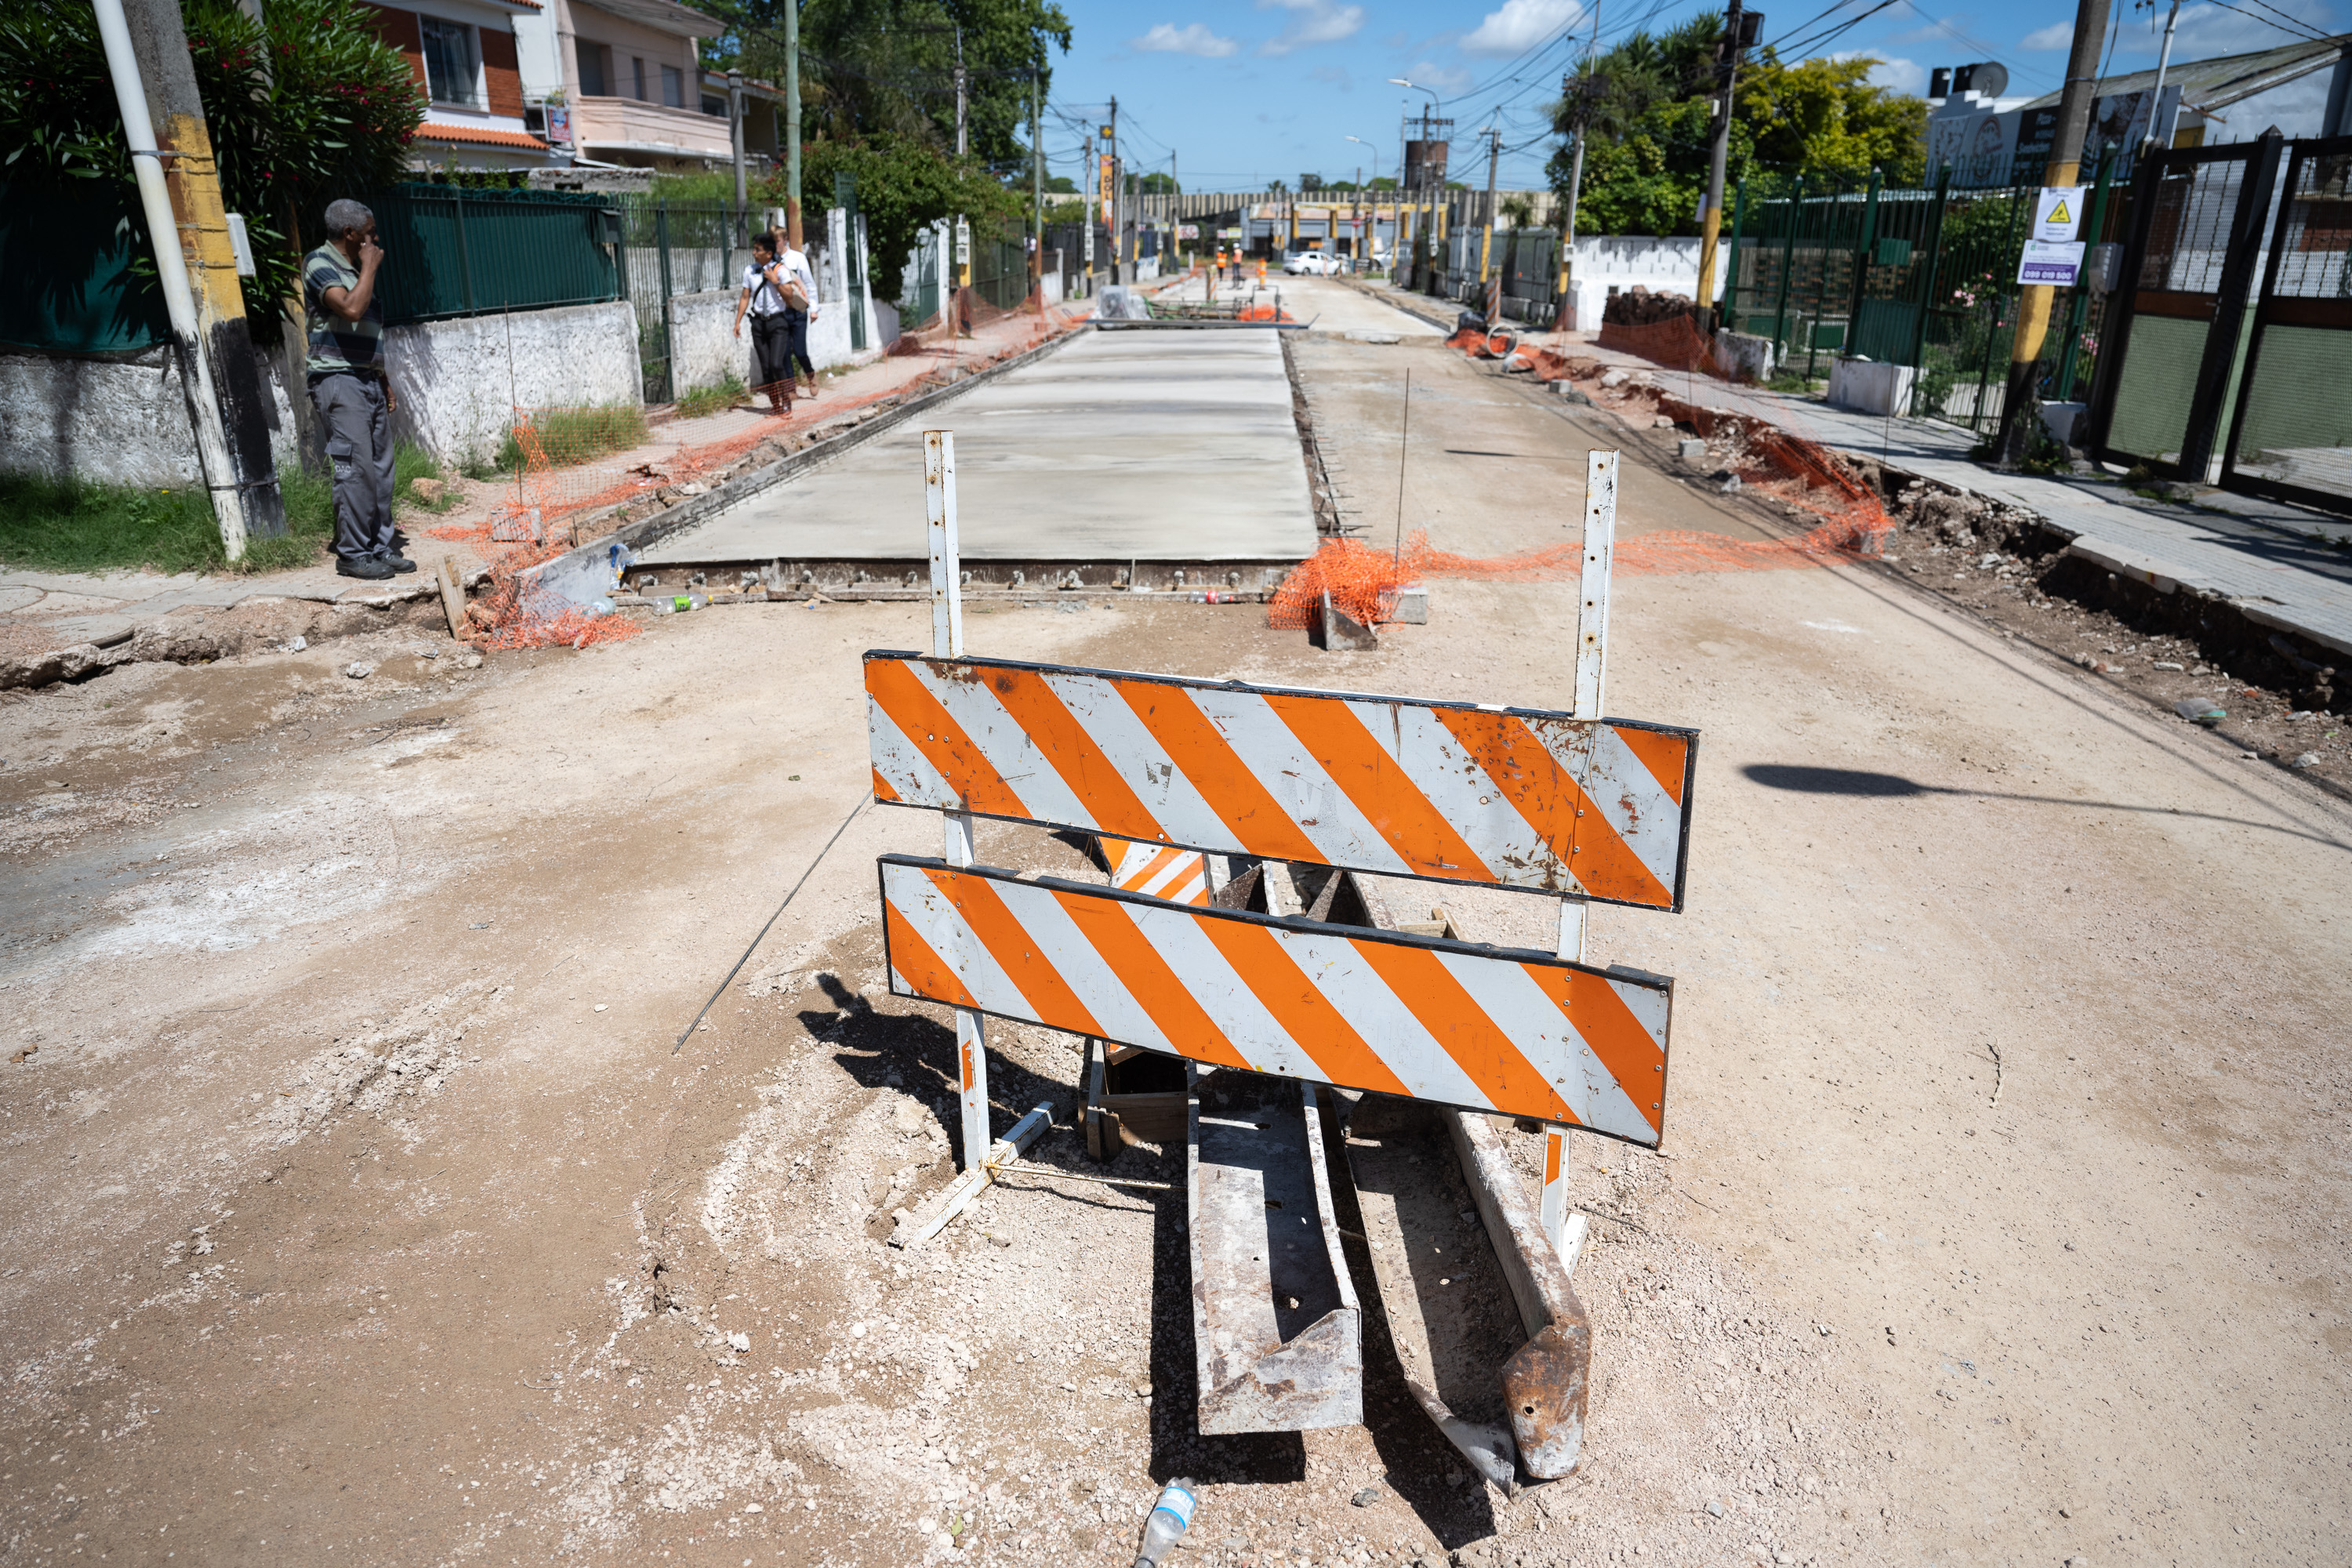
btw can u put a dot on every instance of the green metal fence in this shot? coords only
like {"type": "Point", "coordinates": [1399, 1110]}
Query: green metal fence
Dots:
{"type": "Point", "coordinates": [669, 248]}
{"type": "Point", "coordinates": [1922, 276]}
{"type": "Point", "coordinates": [449, 251]}
{"type": "Point", "coordinates": [1000, 264]}
{"type": "Point", "coordinates": [76, 273]}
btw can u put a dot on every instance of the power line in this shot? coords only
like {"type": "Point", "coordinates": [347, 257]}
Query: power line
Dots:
{"type": "Point", "coordinates": [2305, 33]}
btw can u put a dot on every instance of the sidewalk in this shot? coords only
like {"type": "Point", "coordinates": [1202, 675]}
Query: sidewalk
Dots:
{"type": "Point", "coordinates": [2279, 565]}
{"type": "Point", "coordinates": [42, 613]}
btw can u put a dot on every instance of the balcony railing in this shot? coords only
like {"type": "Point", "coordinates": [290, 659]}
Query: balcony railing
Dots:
{"type": "Point", "coordinates": [609, 121]}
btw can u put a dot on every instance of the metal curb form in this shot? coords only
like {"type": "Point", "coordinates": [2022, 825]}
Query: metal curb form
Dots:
{"type": "Point", "coordinates": [1544, 1385]}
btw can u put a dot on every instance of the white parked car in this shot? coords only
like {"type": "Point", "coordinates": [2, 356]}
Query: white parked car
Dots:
{"type": "Point", "coordinates": [1313, 264]}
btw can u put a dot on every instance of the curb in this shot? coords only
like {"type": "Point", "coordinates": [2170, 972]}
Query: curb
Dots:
{"type": "Point", "coordinates": [635, 536]}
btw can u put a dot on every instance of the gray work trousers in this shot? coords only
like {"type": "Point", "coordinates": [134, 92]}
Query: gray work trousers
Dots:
{"type": "Point", "coordinates": [358, 430]}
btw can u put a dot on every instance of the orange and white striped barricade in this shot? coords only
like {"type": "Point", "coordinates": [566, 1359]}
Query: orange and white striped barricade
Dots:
{"type": "Point", "coordinates": [1444, 791]}
{"type": "Point", "coordinates": [1586, 808]}
{"type": "Point", "coordinates": [1523, 1032]}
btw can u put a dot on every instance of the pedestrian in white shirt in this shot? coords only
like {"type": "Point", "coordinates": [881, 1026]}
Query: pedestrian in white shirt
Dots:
{"type": "Point", "coordinates": [780, 294]}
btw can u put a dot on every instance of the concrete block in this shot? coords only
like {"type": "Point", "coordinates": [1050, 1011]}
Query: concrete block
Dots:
{"type": "Point", "coordinates": [1867, 386]}
{"type": "Point", "coordinates": [1691, 449]}
{"type": "Point", "coordinates": [1412, 606]}
{"type": "Point", "coordinates": [2062, 420]}
{"type": "Point", "coordinates": [1336, 631]}
{"type": "Point", "coordinates": [1743, 356]}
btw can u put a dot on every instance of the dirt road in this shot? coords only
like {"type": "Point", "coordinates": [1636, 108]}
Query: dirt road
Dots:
{"type": "Point", "coordinates": [366, 1213]}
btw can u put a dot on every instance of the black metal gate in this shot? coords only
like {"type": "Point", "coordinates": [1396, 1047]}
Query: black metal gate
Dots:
{"type": "Point", "coordinates": [2292, 437]}
{"type": "Point", "coordinates": [2178, 317]}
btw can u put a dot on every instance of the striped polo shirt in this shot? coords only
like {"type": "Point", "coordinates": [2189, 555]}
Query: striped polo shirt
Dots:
{"type": "Point", "coordinates": [335, 344]}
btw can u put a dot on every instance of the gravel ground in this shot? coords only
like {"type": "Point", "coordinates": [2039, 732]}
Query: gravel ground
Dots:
{"type": "Point", "coordinates": [383, 1218]}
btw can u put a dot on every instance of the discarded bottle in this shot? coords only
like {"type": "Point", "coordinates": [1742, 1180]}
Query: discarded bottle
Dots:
{"type": "Point", "coordinates": [1169, 1518]}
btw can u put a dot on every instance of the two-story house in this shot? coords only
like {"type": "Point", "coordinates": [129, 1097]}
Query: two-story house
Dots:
{"type": "Point", "coordinates": [464, 54]}
{"type": "Point", "coordinates": [623, 82]}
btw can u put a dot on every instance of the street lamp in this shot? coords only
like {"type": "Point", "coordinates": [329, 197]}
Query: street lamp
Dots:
{"type": "Point", "coordinates": [1376, 193]}
{"type": "Point", "coordinates": [1434, 111]}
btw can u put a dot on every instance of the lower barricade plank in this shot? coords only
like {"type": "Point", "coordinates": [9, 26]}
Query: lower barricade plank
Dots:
{"type": "Point", "coordinates": [1523, 1033]}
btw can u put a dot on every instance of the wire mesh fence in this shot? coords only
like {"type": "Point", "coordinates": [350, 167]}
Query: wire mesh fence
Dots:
{"type": "Point", "coordinates": [2293, 438]}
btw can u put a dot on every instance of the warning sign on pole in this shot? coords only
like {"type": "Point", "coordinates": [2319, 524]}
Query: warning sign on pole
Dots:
{"type": "Point", "coordinates": [2057, 214]}
{"type": "Point", "coordinates": [1523, 1032]}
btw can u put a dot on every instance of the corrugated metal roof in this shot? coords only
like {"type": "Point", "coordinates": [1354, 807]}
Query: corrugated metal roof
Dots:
{"type": "Point", "coordinates": [2219, 82]}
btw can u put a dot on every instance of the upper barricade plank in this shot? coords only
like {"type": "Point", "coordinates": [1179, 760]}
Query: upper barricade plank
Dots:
{"type": "Point", "coordinates": [1598, 808]}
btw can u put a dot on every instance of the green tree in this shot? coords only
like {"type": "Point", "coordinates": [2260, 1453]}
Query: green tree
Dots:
{"type": "Point", "coordinates": [872, 67]}
{"type": "Point", "coordinates": [1825, 118]}
{"type": "Point", "coordinates": [903, 185]}
{"type": "Point", "coordinates": [308, 106]}
{"type": "Point", "coordinates": [1646, 109]}
{"type": "Point", "coordinates": [1157, 184]}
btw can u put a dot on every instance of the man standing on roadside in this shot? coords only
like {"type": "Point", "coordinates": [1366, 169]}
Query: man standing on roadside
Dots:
{"type": "Point", "coordinates": [349, 391]}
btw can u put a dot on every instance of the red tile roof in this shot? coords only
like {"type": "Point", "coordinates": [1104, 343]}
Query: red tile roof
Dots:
{"type": "Point", "coordinates": [478, 136]}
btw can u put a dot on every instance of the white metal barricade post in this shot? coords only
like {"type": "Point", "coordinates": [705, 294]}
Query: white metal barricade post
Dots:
{"type": "Point", "coordinates": [1591, 668]}
{"type": "Point", "coordinates": [947, 642]}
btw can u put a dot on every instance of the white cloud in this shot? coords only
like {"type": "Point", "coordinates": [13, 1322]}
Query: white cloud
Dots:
{"type": "Point", "coordinates": [1438, 78]}
{"type": "Point", "coordinates": [1894, 75]}
{"type": "Point", "coordinates": [1311, 22]}
{"type": "Point", "coordinates": [1191, 38]}
{"type": "Point", "coordinates": [2056, 35]}
{"type": "Point", "coordinates": [1521, 25]}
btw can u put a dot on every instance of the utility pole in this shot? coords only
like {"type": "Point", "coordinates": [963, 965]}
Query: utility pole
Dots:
{"type": "Point", "coordinates": [793, 125]}
{"type": "Point", "coordinates": [2156, 98]}
{"type": "Point", "coordinates": [2017, 418]}
{"type": "Point", "coordinates": [735, 128]}
{"type": "Point", "coordinates": [180, 196]}
{"type": "Point", "coordinates": [1486, 245]}
{"type": "Point", "coordinates": [1740, 28]}
{"type": "Point", "coordinates": [1037, 185]}
{"type": "Point", "coordinates": [1090, 182]}
{"type": "Point", "coordinates": [963, 146]}
{"type": "Point", "coordinates": [963, 140]}
{"type": "Point", "coordinates": [1111, 204]}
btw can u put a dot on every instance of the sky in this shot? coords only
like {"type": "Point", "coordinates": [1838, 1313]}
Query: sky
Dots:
{"type": "Point", "coordinates": [1239, 92]}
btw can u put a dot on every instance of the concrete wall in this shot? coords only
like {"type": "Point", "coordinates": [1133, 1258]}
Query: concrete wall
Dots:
{"type": "Point", "coordinates": [117, 420]}
{"type": "Point", "coordinates": [1659, 265]}
{"type": "Point", "coordinates": [458, 383]}
{"type": "Point", "coordinates": [703, 348]}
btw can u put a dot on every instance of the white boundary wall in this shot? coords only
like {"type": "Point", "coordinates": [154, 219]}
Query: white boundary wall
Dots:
{"type": "Point", "coordinates": [120, 419]}
{"type": "Point", "coordinates": [1668, 264]}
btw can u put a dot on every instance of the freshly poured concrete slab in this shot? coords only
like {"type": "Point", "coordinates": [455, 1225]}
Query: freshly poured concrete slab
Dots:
{"type": "Point", "coordinates": [1136, 445]}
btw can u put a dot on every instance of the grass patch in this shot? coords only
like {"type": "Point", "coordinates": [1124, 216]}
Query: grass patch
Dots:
{"type": "Point", "coordinates": [570, 435]}
{"type": "Point", "coordinates": [411, 463]}
{"type": "Point", "coordinates": [708, 400]}
{"type": "Point", "coordinates": [77, 525]}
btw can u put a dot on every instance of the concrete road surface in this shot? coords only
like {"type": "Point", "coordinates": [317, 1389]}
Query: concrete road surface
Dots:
{"type": "Point", "coordinates": [1325, 304]}
{"type": "Point", "coordinates": [1145, 446]}
{"type": "Point", "coordinates": [368, 1210]}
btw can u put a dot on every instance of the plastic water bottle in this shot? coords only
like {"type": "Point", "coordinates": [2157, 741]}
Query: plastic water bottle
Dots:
{"type": "Point", "coordinates": [1169, 1518]}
